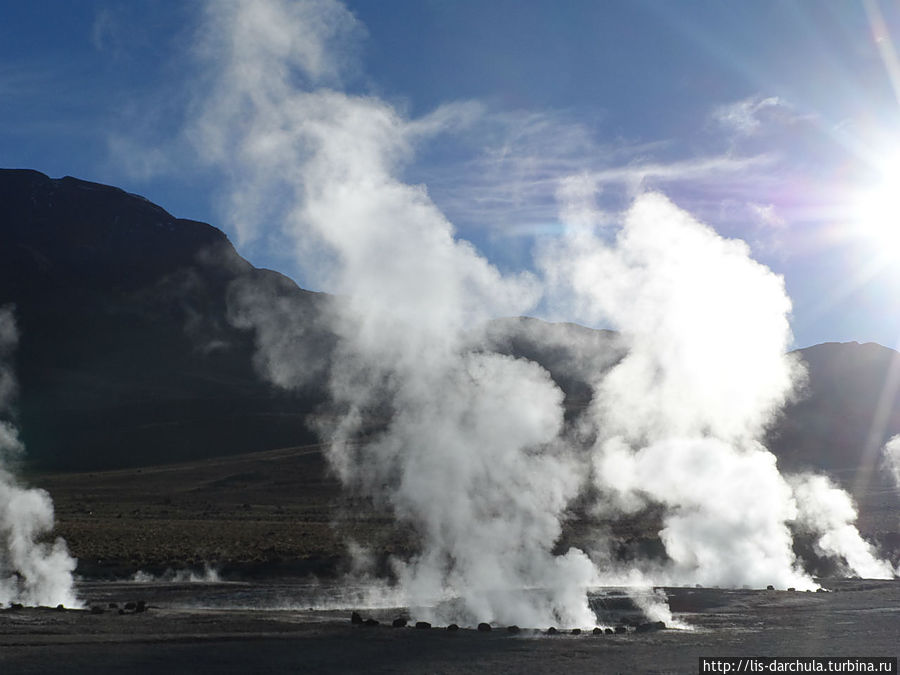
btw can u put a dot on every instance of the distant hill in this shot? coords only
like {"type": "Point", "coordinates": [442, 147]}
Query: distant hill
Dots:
{"type": "Point", "coordinates": [849, 408]}
{"type": "Point", "coordinates": [128, 357]}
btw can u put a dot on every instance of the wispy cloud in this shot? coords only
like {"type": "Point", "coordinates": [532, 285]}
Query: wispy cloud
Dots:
{"type": "Point", "coordinates": [104, 32]}
{"type": "Point", "coordinates": [509, 184]}
{"type": "Point", "coordinates": [746, 116]}
{"type": "Point", "coordinates": [139, 160]}
{"type": "Point", "coordinates": [494, 173]}
{"type": "Point", "coordinates": [22, 82]}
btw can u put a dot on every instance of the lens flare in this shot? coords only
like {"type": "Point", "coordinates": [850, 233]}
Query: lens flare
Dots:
{"type": "Point", "coordinates": [877, 209]}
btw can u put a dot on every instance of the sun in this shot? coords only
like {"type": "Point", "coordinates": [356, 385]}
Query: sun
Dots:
{"type": "Point", "coordinates": [877, 208]}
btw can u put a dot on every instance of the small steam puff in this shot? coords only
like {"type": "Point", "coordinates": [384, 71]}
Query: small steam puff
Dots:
{"type": "Point", "coordinates": [891, 458]}
{"type": "Point", "coordinates": [32, 572]}
{"type": "Point", "coordinates": [183, 576]}
{"type": "Point", "coordinates": [471, 448]}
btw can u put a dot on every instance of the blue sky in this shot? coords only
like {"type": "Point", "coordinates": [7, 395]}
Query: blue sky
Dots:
{"type": "Point", "coordinates": [776, 122]}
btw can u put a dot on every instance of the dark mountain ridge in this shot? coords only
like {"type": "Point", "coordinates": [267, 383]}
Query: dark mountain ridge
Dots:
{"type": "Point", "coordinates": [129, 355]}
{"type": "Point", "coordinates": [849, 408]}
{"type": "Point", "coordinates": [126, 356]}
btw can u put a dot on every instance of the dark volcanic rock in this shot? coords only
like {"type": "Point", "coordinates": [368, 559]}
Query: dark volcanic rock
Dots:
{"type": "Point", "coordinates": [423, 625]}
{"type": "Point", "coordinates": [484, 627]}
{"type": "Point", "coordinates": [399, 622]}
{"type": "Point", "coordinates": [128, 352]}
{"type": "Point", "coordinates": [454, 627]}
{"type": "Point", "coordinates": [355, 618]}
{"type": "Point", "coordinates": [598, 631]}
{"type": "Point", "coordinates": [650, 626]}
{"type": "Point", "coordinates": [512, 629]}
{"type": "Point", "coordinates": [370, 622]}
{"type": "Point", "coordinates": [552, 631]}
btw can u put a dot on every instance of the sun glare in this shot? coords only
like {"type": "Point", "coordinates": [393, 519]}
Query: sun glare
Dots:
{"type": "Point", "coordinates": [878, 208]}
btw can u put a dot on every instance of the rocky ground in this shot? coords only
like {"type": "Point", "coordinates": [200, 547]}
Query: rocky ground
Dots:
{"type": "Point", "coordinates": [857, 618]}
{"type": "Point", "coordinates": [267, 521]}
{"type": "Point", "coordinates": [260, 512]}
{"type": "Point", "coordinates": [248, 516]}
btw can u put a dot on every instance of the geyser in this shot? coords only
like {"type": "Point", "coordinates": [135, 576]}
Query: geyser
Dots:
{"type": "Point", "coordinates": [32, 571]}
{"type": "Point", "coordinates": [678, 421]}
{"type": "Point", "coordinates": [471, 449]}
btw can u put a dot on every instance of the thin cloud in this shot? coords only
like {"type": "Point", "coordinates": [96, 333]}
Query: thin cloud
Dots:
{"type": "Point", "coordinates": [509, 186]}
{"type": "Point", "coordinates": [139, 160]}
{"type": "Point", "coordinates": [746, 117]}
{"type": "Point", "coordinates": [104, 32]}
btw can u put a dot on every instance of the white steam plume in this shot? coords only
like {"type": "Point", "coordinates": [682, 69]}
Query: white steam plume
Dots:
{"type": "Point", "coordinates": [471, 452]}
{"type": "Point", "coordinates": [470, 457]}
{"type": "Point", "coordinates": [32, 571]}
{"type": "Point", "coordinates": [828, 512]}
{"type": "Point", "coordinates": [677, 421]}
{"type": "Point", "coordinates": [891, 459]}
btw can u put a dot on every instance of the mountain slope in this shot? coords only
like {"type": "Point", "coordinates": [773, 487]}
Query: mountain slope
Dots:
{"type": "Point", "coordinates": [126, 355]}
{"type": "Point", "coordinates": [130, 355]}
{"type": "Point", "coordinates": [849, 408]}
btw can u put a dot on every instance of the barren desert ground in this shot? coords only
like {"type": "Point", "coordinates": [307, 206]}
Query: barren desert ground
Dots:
{"type": "Point", "coordinates": [271, 523]}
{"type": "Point", "coordinates": [183, 632]}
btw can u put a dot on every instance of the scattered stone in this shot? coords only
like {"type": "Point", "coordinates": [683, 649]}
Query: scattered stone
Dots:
{"type": "Point", "coordinates": [423, 625]}
{"type": "Point", "coordinates": [821, 590]}
{"type": "Point", "coordinates": [399, 622]}
{"type": "Point", "coordinates": [651, 626]}
{"type": "Point", "coordinates": [97, 609]}
{"type": "Point", "coordinates": [512, 629]}
{"type": "Point", "coordinates": [552, 630]}
{"type": "Point", "coordinates": [608, 631]}
{"type": "Point", "coordinates": [141, 606]}
{"type": "Point", "coordinates": [16, 605]}
{"type": "Point", "coordinates": [791, 589]}
{"type": "Point", "coordinates": [131, 605]}
{"type": "Point", "coordinates": [484, 627]}
{"type": "Point", "coordinates": [60, 607]}
{"type": "Point", "coordinates": [576, 631]}
{"type": "Point", "coordinates": [371, 622]}
{"type": "Point", "coordinates": [453, 627]}
{"type": "Point", "coordinates": [598, 631]}
{"type": "Point", "coordinates": [621, 629]}
{"type": "Point", "coordinates": [770, 587]}
{"type": "Point", "coordinates": [114, 605]}
{"type": "Point", "coordinates": [121, 612]}
{"type": "Point", "coordinates": [356, 619]}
